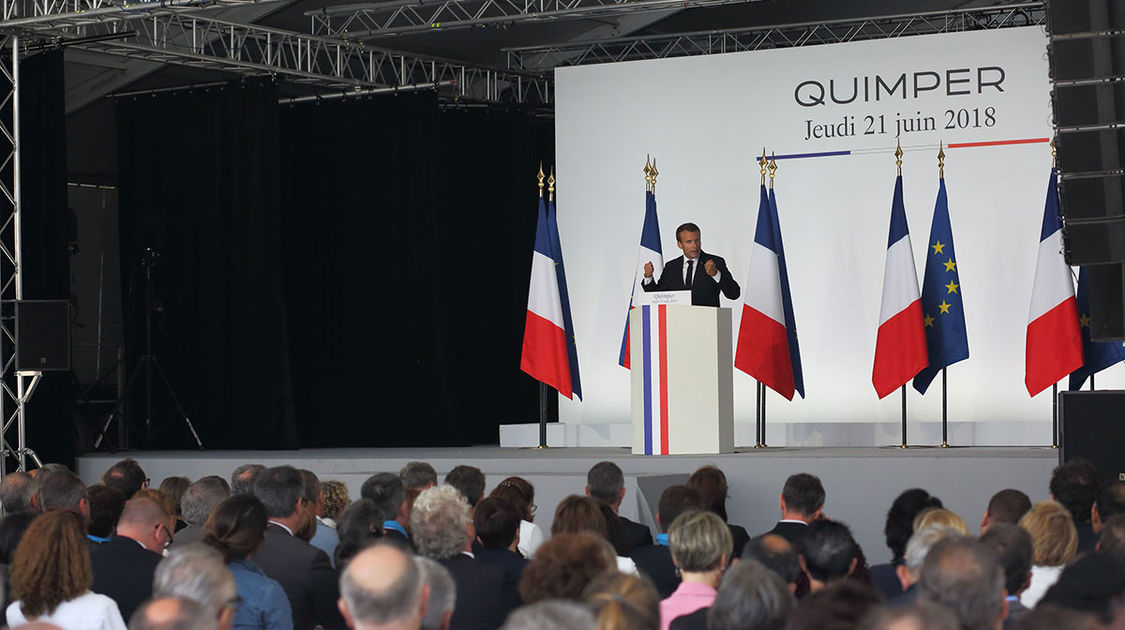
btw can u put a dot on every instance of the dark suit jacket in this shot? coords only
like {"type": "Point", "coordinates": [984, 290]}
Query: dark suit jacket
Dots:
{"type": "Point", "coordinates": [692, 621]}
{"type": "Point", "coordinates": [1015, 611]}
{"type": "Point", "coordinates": [123, 571]}
{"type": "Point", "coordinates": [793, 532]}
{"type": "Point", "coordinates": [885, 580]}
{"type": "Point", "coordinates": [306, 576]}
{"type": "Point", "coordinates": [739, 536]}
{"type": "Point", "coordinates": [512, 563]}
{"type": "Point", "coordinates": [483, 603]}
{"type": "Point", "coordinates": [655, 561]}
{"type": "Point", "coordinates": [629, 536]}
{"type": "Point", "coordinates": [704, 289]}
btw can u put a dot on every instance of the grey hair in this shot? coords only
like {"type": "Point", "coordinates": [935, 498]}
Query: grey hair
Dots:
{"type": "Point", "coordinates": [202, 497]}
{"type": "Point", "coordinates": [964, 575]}
{"type": "Point", "coordinates": [551, 614]}
{"type": "Point", "coordinates": [16, 490]}
{"type": "Point", "coordinates": [925, 614]}
{"type": "Point", "coordinates": [190, 615]}
{"type": "Point", "coordinates": [438, 522]}
{"type": "Point", "coordinates": [196, 572]}
{"type": "Point", "coordinates": [280, 489]}
{"type": "Point", "coordinates": [750, 597]}
{"type": "Point", "coordinates": [443, 592]}
{"type": "Point", "coordinates": [920, 544]}
{"type": "Point", "coordinates": [397, 602]}
{"type": "Point", "coordinates": [604, 481]}
{"type": "Point", "coordinates": [242, 479]}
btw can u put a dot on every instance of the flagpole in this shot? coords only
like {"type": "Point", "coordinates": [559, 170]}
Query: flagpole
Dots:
{"type": "Point", "coordinates": [544, 390]}
{"type": "Point", "coordinates": [773, 171]}
{"type": "Point", "coordinates": [903, 416]}
{"type": "Point", "coordinates": [1091, 382]}
{"type": "Point", "coordinates": [759, 388]}
{"type": "Point", "coordinates": [944, 390]}
{"type": "Point", "coordinates": [1054, 415]}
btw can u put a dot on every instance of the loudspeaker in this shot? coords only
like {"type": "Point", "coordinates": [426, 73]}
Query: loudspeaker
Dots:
{"type": "Point", "coordinates": [43, 335]}
{"type": "Point", "coordinates": [1093, 426]}
{"type": "Point", "coordinates": [1105, 292]}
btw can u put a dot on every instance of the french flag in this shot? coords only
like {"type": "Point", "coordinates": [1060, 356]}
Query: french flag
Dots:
{"type": "Point", "coordinates": [545, 355]}
{"type": "Point", "coordinates": [900, 347]}
{"type": "Point", "coordinates": [650, 252]}
{"type": "Point", "coordinates": [767, 336]}
{"type": "Point", "coordinates": [1054, 338]}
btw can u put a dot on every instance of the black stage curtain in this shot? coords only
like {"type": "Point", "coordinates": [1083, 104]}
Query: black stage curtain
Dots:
{"type": "Point", "coordinates": [198, 176]}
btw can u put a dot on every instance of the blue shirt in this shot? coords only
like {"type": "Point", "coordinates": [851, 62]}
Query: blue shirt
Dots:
{"type": "Point", "coordinates": [264, 604]}
{"type": "Point", "coordinates": [326, 539]}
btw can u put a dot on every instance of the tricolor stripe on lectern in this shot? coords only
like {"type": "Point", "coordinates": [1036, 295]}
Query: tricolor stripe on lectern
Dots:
{"type": "Point", "coordinates": [544, 354]}
{"type": "Point", "coordinates": [1054, 340]}
{"type": "Point", "coordinates": [654, 377]}
{"type": "Point", "coordinates": [900, 347]}
{"type": "Point", "coordinates": [650, 252]}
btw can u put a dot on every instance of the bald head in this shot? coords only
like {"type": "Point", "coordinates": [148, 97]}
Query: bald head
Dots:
{"type": "Point", "coordinates": [171, 613]}
{"type": "Point", "coordinates": [146, 522]}
{"type": "Point", "coordinates": [777, 555]}
{"type": "Point", "coordinates": [382, 589]}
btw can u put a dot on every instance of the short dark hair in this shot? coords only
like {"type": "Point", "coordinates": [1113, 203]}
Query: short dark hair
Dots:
{"type": "Point", "coordinates": [828, 548]}
{"type": "Point", "coordinates": [964, 575]}
{"type": "Point", "coordinates": [776, 554]}
{"type": "Point", "coordinates": [359, 527]}
{"type": "Point", "coordinates": [1008, 506]}
{"type": "Point", "coordinates": [604, 482]}
{"type": "Point", "coordinates": [312, 485]}
{"type": "Point", "coordinates": [280, 489]}
{"type": "Point", "coordinates": [1013, 546]}
{"type": "Point", "coordinates": [1111, 500]}
{"type": "Point", "coordinates": [106, 505]}
{"type": "Point", "coordinates": [242, 479]}
{"type": "Point", "coordinates": [61, 491]}
{"type": "Point", "coordinates": [417, 475]}
{"type": "Point", "coordinates": [1075, 485]}
{"type": "Point", "coordinates": [687, 227]}
{"type": "Point", "coordinates": [126, 475]}
{"type": "Point", "coordinates": [386, 492]}
{"type": "Point", "coordinates": [840, 605]}
{"type": "Point", "coordinates": [711, 484]}
{"type": "Point", "coordinates": [803, 493]}
{"type": "Point", "coordinates": [750, 596]}
{"type": "Point", "coordinates": [1112, 537]}
{"type": "Point", "coordinates": [674, 501]}
{"type": "Point", "coordinates": [900, 519]}
{"type": "Point", "coordinates": [496, 522]}
{"type": "Point", "coordinates": [469, 480]}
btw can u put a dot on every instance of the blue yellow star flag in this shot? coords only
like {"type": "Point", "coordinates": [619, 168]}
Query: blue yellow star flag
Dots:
{"type": "Point", "coordinates": [942, 308]}
{"type": "Point", "coordinates": [1098, 354]}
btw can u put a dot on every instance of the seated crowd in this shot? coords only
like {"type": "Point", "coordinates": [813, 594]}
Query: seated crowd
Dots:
{"type": "Point", "coordinates": [277, 548]}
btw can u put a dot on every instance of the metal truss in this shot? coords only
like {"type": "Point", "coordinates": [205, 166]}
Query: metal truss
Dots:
{"type": "Point", "coordinates": [366, 21]}
{"type": "Point", "coordinates": [737, 40]}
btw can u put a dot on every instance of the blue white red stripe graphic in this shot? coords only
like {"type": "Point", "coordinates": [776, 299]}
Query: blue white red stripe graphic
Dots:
{"type": "Point", "coordinates": [654, 377]}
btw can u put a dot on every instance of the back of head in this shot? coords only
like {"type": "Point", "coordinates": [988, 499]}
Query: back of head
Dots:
{"type": "Point", "coordinates": [171, 613]}
{"type": "Point", "coordinates": [443, 593]}
{"type": "Point", "coordinates": [803, 494]}
{"type": "Point", "coordinates": [105, 508]}
{"type": "Point", "coordinates": [1112, 539]}
{"type": "Point", "coordinates": [126, 476]}
{"type": "Point", "coordinates": [920, 615]}
{"type": "Point", "coordinates": [242, 479]}
{"type": "Point", "coordinates": [828, 549]}
{"type": "Point", "coordinates": [551, 615]}
{"type": "Point", "coordinates": [196, 572]}
{"type": "Point", "coordinates": [202, 497]}
{"type": "Point", "coordinates": [900, 519]}
{"type": "Point", "coordinates": [1092, 584]}
{"type": "Point", "coordinates": [439, 522]}
{"type": "Point", "coordinates": [385, 490]}
{"type": "Point", "coordinates": [576, 514]}
{"type": "Point", "coordinates": [16, 489]}
{"type": "Point", "coordinates": [711, 484]}
{"type": "Point", "coordinates": [750, 597]}
{"type": "Point", "coordinates": [175, 487]}
{"type": "Point", "coordinates": [382, 586]}
{"type": "Point", "coordinates": [61, 491]}
{"type": "Point", "coordinates": [520, 493]}
{"type": "Point", "coordinates": [142, 511]}
{"type": "Point", "coordinates": [279, 489]}
{"type": "Point", "coordinates": [237, 526]}
{"type": "Point", "coordinates": [1053, 537]}
{"type": "Point", "coordinates": [1048, 617]}
{"type": "Point", "coordinates": [965, 576]}
{"type": "Point", "coordinates": [1008, 506]}
{"type": "Point", "coordinates": [604, 482]}
{"type": "Point", "coordinates": [1111, 500]}
{"type": "Point", "coordinates": [621, 601]}
{"type": "Point", "coordinates": [564, 566]}
{"type": "Point", "coordinates": [920, 544]}
{"type": "Point", "coordinates": [312, 486]}
{"type": "Point", "coordinates": [418, 475]}
{"type": "Point", "coordinates": [776, 554]}
{"type": "Point", "coordinates": [674, 501]}
{"type": "Point", "coordinates": [359, 527]}
{"type": "Point", "coordinates": [496, 522]}
{"type": "Point", "coordinates": [1074, 484]}
{"type": "Point", "coordinates": [839, 606]}
{"type": "Point", "coordinates": [51, 565]}
{"type": "Point", "coordinates": [12, 528]}
{"type": "Point", "coordinates": [940, 516]}
{"type": "Point", "coordinates": [700, 542]}
{"type": "Point", "coordinates": [336, 498]}
{"type": "Point", "coordinates": [159, 497]}
{"type": "Point", "coordinates": [469, 480]}
{"type": "Point", "coordinates": [1013, 546]}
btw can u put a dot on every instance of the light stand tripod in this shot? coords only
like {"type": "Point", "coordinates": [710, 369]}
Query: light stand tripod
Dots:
{"type": "Point", "coordinates": [147, 366]}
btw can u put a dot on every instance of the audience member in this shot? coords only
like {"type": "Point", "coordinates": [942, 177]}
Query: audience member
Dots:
{"type": "Point", "coordinates": [940, 516]}
{"type": "Point", "coordinates": [12, 528]}
{"type": "Point", "coordinates": [64, 491]}
{"type": "Point", "coordinates": [621, 601]}
{"type": "Point", "coordinates": [965, 576]}
{"type": "Point", "coordinates": [1053, 544]}
{"type": "Point", "coordinates": [124, 566]}
{"type": "Point", "coordinates": [701, 546]}
{"type": "Point", "coordinates": [920, 615]}
{"type": "Point", "coordinates": [126, 476]}
{"type": "Point", "coordinates": [443, 594]}
{"type": "Point", "coordinates": [776, 554]}
{"type": "Point", "coordinates": [1048, 617]}
{"type": "Point", "coordinates": [497, 525]}
{"type": "Point", "coordinates": [1013, 547]}
{"type": "Point", "coordinates": [324, 537]}
{"type": "Point", "coordinates": [242, 479]}
{"type": "Point", "coordinates": [197, 572]}
{"type": "Point", "coordinates": [418, 476]}
{"type": "Point", "coordinates": [712, 486]}
{"type": "Point", "coordinates": [389, 496]}
{"type": "Point", "coordinates": [1112, 539]}
{"type": "Point", "coordinates": [303, 571]}
{"type": "Point", "coordinates": [163, 500]}
{"type": "Point", "coordinates": [564, 566]}
{"type": "Point", "coordinates": [828, 553]}
{"type": "Point", "coordinates": [310, 494]}
{"type": "Point", "coordinates": [605, 483]}
{"type": "Point", "coordinates": [1093, 584]}
{"type": "Point", "coordinates": [897, 530]}
{"type": "Point", "coordinates": [197, 502]}
{"type": "Point", "coordinates": [655, 561]}
{"type": "Point", "coordinates": [1110, 503]}
{"type": "Point", "coordinates": [576, 514]}
{"type": "Point", "coordinates": [801, 502]}
{"type": "Point", "coordinates": [16, 489]}
{"type": "Point", "coordinates": [1006, 506]}
{"type": "Point", "coordinates": [443, 530]}
{"type": "Point", "coordinates": [1074, 484]}
{"type": "Point", "coordinates": [551, 615]}
{"type": "Point", "coordinates": [750, 597]}
{"type": "Point", "coordinates": [382, 588]}
{"type": "Point", "coordinates": [106, 505]}
{"type": "Point", "coordinates": [175, 487]}
{"type": "Point", "coordinates": [50, 578]}
{"type": "Point", "coordinates": [520, 493]}
{"type": "Point", "coordinates": [469, 481]}
{"type": "Point", "coordinates": [336, 500]}
{"type": "Point", "coordinates": [40, 476]}
{"type": "Point", "coordinates": [840, 606]}
{"type": "Point", "coordinates": [360, 526]}
{"type": "Point", "coordinates": [171, 613]}
{"type": "Point", "coordinates": [910, 571]}
{"type": "Point", "coordinates": [236, 529]}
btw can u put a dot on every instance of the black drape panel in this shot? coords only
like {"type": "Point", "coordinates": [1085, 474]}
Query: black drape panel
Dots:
{"type": "Point", "coordinates": [199, 184]}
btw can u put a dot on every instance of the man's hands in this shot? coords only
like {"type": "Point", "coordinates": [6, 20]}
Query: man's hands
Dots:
{"type": "Point", "coordinates": [648, 269]}
{"type": "Point", "coordinates": [710, 268]}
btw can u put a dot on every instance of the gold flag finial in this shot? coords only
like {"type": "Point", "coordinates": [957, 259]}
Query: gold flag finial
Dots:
{"type": "Point", "coordinates": [941, 160]}
{"type": "Point", "coordinates": [551, 185]}
{"type": "Point", "coordinates": [654, 174]}
{"type": "Point", "coordinates": [540, 177]}
{"type": "Point", "coordinates": [773, 167]}
{"type": "Point", "coordinates": [1054, 153]}
{"type": "Point", "coordinates": [648, 173]}
{"type": "Point", "coordinates": [898, 156]}
{"type": "Point", "coordinates": [763, 163]}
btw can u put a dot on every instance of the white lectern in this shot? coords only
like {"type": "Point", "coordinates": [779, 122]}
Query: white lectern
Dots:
{"type": "Point", "coordinates": [683, 380]}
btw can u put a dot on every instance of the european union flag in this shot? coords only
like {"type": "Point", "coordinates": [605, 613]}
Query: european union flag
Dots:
{"type": "Point", "coordinates": [942, 308]}
{"type": "Point", "coordinates": [1098, 354]}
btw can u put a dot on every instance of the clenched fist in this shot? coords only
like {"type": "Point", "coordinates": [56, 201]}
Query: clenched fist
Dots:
{"type": "Point", "coordinates": [648, 269]}
{"type": "Point", "coordinates": [710, 268]}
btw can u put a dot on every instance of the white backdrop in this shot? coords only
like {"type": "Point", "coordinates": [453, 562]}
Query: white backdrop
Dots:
{"type": "Point", "coordinates": [706, 120]}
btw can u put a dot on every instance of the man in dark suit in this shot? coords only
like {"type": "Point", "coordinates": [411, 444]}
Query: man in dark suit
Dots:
{"type": "Point", "coordinates": [605, 483]}
{"type": "Point", "coordinates": [497, 526]}
{"type": "Point", "coordinates": [1014, 547]}
{"type": "Point", "coordinates": [123, 567]}
{"type": "Point", "coordinates": [705, 275]}
{"type": "Point", "coordinates": [655, 561]}
{"type": "Point", "coordinates": [303, 571]}
{"type": "Point", "coordinates": [801, 502]}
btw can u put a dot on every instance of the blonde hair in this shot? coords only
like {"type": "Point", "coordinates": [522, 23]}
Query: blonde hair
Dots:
{"type": "Point", "coordinates": [699, 541]}
{"type": "Point", "coordinates": [940, 516]}
{"type": "Point", "coordinates": [1053, 537]}
{"type": "Point", "coordinates": [623, 602]}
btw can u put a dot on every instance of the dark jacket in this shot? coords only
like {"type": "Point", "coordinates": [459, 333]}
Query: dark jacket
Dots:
{"type": "Point", "coordinates": [305, 574]}
{"type": "Point", "coordinates": [483, 601]}
{"type": "Point", "coordinates": [704, 289]}
{"type": "Point", "coordinates": [123, 571]}
{"type": "Point", "coordinates": [655, 561]}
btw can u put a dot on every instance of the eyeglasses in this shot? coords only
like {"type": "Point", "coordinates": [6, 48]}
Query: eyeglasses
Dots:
{"type": "Point", "coordinates": [167, 535]}
{"type": "Point", "coordinates": [534, 508]}
{"type": "Point", "coordinates": [234, 602]}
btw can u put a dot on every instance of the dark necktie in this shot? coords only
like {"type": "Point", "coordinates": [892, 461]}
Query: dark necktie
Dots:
{"type": "Point", "coordinates": [690, 268]}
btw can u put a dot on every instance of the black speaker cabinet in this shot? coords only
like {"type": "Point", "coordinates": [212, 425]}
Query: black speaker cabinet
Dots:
{"type": "Point", "coordinates": [43, 335]}
{"type": "Point", "coordinates": [1093, 426]}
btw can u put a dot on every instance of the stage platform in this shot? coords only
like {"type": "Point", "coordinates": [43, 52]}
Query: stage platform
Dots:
{"type": "Point", "coordinates": [860, 482]}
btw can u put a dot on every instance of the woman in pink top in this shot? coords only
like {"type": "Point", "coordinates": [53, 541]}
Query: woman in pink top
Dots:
{"type": "Point", "coordinates": [701, 545]}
